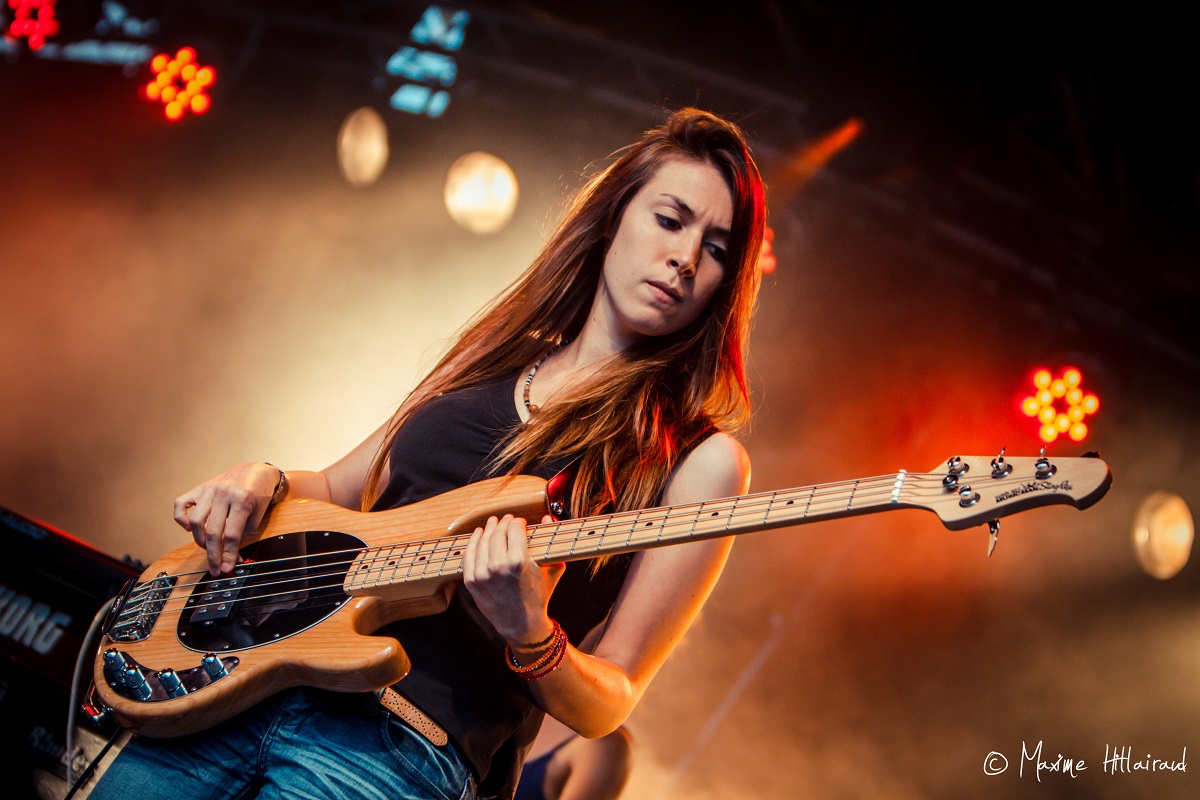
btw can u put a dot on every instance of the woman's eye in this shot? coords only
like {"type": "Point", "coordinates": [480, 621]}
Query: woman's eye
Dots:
{"type": "Point", "coordinates": [670, 223]}
{"type": "Point", "coordinates": [716, 251]}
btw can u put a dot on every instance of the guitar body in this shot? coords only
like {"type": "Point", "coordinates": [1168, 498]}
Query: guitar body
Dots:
{"type": "Point", "coordinates": [276, 631]}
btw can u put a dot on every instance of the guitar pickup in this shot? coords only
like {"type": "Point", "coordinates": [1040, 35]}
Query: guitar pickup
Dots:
{"type": "Point", "coordinates": [217, 602]}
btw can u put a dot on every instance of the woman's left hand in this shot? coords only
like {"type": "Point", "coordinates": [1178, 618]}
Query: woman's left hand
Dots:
{"type": "Point", "coordinates": [510, 589]}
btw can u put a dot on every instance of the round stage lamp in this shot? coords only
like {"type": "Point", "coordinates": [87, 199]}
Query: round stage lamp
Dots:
{"type": "Point", "coordinates": [481, 192]}
{"type": "Point", "coordinates": [362, 147]}
{"type": "Point", "coordinates": [1162, 534]}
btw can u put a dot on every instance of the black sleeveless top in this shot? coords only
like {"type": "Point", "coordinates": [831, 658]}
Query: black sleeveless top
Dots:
{"type": "Point", "coordinates": [458, 672]}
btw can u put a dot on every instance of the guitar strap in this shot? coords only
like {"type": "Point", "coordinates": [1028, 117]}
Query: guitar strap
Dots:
{"type": "Point", "coordinates": [417, 719]}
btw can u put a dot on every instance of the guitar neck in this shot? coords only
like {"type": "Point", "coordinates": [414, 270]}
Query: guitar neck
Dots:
{"type": "Point", "coordinates": [610, 534]}
{"type": "Point", "coordinates": [653, 527]}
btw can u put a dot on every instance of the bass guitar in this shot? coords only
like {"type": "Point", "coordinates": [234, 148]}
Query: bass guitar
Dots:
{"type": "Point", "coordinates": [183, 650]}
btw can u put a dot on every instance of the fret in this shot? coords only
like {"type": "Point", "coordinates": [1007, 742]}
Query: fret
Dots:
{"type": "Point", "coordinates": [633, 526]}
{"type": "Point", "coordinates": [420, 560]}
{"type": "Point", "coordinates": [767, 512]}
{"type": "Point", "coordinates": [850, 499]}
{"type": "Point", "coordinates": [732, 511]}
{"type": "Point", "coordinates": [662, 527]}
{"type": "Point", "coordinates": [451, 561]}
{"type": "Point", "coordinates": [391, 560]}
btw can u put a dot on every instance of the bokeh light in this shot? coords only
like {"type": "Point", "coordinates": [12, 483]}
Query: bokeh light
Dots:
{"type": "Point", "coordinates": [481, 192]}
{"type": "Point", "coordinates": [1162, 534]}
{"type": "Point", "coordinates": [362, 147]}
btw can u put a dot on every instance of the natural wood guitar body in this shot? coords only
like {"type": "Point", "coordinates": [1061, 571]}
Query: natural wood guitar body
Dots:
{"type": "Point", "coordinates": [339, 653]}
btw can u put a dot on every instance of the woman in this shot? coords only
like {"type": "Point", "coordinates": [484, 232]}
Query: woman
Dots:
{"type": "Point", "coordinates": [633, 320]}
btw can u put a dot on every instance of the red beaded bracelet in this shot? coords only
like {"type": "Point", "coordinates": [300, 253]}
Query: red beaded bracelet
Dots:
{"type": "Point", "coordinates": [562, 651]}
{"type": "Point", "coordinates": [559, 639]}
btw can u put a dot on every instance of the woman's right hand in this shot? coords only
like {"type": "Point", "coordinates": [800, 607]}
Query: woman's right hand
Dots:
{"type": "Point", "coordinates": [220, 511]}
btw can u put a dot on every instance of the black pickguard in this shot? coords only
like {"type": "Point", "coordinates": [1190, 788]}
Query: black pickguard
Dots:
{"type": "Point", "coordinates": [284, 585]}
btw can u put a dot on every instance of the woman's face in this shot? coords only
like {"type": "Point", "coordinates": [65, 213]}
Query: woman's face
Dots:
{"type": "Point", "coordinates": [668, 256]}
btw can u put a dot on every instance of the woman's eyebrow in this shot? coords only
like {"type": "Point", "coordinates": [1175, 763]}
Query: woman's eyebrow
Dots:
{"type": "Point", "coordinates": [684, 208]}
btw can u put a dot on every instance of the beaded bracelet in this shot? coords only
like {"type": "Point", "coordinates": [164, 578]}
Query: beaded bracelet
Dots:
{"type": "Point", "coordinates": [562, 651]}
{"type": "Point", "coordinates": [543, 642]}
{"type": "Point", "coordinates": [559, 638]}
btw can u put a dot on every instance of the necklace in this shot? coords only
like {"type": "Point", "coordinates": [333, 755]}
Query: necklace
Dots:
{"type": "Point", "coordinates": [531, 407]}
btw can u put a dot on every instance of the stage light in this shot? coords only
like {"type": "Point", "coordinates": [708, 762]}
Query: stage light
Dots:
{"type": "Point", "coordinates": [362, 147]}
{"type": "Point", "coordinates": [180, 84]}
{"type": "Point", "coordinates": [417, 99]}
{"type": "Point", "coordinates": [32, 20]}
{"type": "Point", "coordinates": [1162, 534]}
{"type": "Point", "coordinates": [436, 29]}
{"type": "Point", "coordinates": [421, 68]}
{"type": "Point", "coordinates": [1059, 404]}
{"type": "Point", "coordinates": [481, 192]}
{"type": "Point", "coordinates": [766, 253]}
{"type": "Point", "coordinates": [817, 155]}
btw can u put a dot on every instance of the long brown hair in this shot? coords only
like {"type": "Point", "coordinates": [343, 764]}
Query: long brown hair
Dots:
{"type": "Point", "coordinates": [641, 410]}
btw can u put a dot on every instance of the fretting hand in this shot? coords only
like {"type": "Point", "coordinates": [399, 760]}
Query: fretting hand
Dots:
{"type": "Point", "coordinates": [510, 589]}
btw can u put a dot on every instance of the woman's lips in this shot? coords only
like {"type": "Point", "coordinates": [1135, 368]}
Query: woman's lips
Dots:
{"type": "Point", "coordinates": [666, 292]}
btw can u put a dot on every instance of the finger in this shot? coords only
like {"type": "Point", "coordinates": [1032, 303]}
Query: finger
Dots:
{"type": "Point", "coordinates": [214, 532]}
{"type": "Point", "coordinates": [517, 542]}
{"type": "Point", "coordinates": [183, 504]}
{"type": "Point", "coordinates": [235, 530]}
{"type": "Point", "coordinates": [496, 534]}
{"type": "Point", "coordinates": [183, 512]}
{"type": "Point", "coordinates": [553, 573]}
{"type": "Point", "coordinates": [198, 518]}
{"type": "Point", "coordinates": [470, 556]}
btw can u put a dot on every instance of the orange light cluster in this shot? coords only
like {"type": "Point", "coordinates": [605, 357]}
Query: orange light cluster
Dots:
{"type": "Point", "coordinates": [33, 19]}
{"type": "Point", "coordinates": [180, 83]}
{"type": "Point", "coordinates": [1060, 405]}
{"type": "Point", "coordinates": [766, 253]}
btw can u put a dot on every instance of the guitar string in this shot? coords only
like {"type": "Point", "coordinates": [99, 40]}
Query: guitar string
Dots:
{"type": "Point", "coordinates": [618, 517]}
{"type": "Point", "coordinates": [543, 538]}
{"type": "Point", "coordinates": [534, 529]}
{"type": "Point", "coordinates": [660, 521]}
{"type": "Point", "coordinates": [662, 514]}
{"type": "Point", "coordinates": [619, 521]}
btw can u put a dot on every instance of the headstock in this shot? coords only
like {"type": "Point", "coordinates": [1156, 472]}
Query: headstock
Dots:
{"type": "Point", "coordinates": [973, 490]}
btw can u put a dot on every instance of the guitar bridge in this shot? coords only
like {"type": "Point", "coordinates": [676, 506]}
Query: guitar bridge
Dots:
{"type": "Point", "coordinates": [133, 618]}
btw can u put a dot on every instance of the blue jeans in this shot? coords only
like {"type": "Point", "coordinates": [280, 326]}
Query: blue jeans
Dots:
{"type": "Point", "coordinates": [302, 743]}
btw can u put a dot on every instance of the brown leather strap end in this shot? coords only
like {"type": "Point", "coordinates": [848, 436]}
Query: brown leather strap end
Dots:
{"type": "Point", "coordinates": [417, 719]}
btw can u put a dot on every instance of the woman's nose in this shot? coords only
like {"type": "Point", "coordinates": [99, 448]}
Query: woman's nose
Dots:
{"type": "Point", "coordinates": [686, 260]}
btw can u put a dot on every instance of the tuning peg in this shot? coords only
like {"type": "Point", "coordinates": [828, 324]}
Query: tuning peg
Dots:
{"type": "Point", "coordinates": [1044, 469]}
{"type": "Point", "coordinates": [1000, 467]}
{"type": "Point", "coordinates": [993, 535]}
{"type": "Point", "coordinates": [957, 466]}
